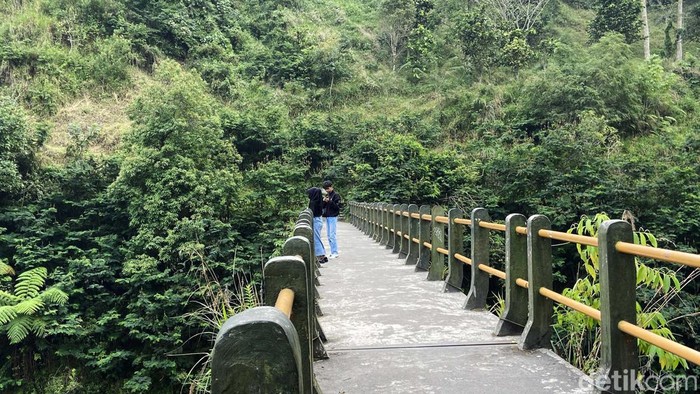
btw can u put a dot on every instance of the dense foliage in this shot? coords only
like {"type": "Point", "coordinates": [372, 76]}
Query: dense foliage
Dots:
{"type": "Point", "coordinates": [153, 153]}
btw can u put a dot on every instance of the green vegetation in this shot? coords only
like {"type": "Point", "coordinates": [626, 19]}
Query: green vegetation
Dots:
{"type": "Point", "coordinates": [154, 153]}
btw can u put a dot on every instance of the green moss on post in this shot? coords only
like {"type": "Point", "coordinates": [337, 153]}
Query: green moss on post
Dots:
{"type": "Point", "coordinates": [538, 331]}
{"type": "Point", "coordinates": [396, 226]}
{"type": "Point", "coordinates": [455, 244]}
{"type": "Point", "coordinates": [413, 230]}
{"type": "Point", "coordinates": [290, 272]}
{"type": "Point", "coordinates": [424, 235]}
{"type": "Point", "coordinates": [514, 316]}
{"type": "Point", "coordinates": [479, 286]}
{"type": "Point", "coordinates": [258, 351]}
{"type": "Point", "coordinates": [390, 226]}
{"type": "Point", "coordinates": [403, 251]}
{"type": "Point", "coordinates": [619, 360]}
{"type": "Point", "coordinates": [437, 239]}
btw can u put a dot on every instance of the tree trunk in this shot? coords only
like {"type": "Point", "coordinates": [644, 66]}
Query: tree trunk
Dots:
{"type": "Point", "coordinates": [645, 31]}
{"type": "Point", "coordinates": [679, 27]}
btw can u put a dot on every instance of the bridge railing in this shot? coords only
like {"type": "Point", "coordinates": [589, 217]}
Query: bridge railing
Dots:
{"type": "Point", "coordinates": [419, 233]}
{"type": "Point", "coordinates": [271, 348]}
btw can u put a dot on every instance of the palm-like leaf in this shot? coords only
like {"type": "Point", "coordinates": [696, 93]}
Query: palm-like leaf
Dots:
{"type": "Point", "coordinates": [7, 313]}
{"type": "Point", "coordinates": [8, 299]}
{"type": "Point", "coordinates": [29, 307]}
{"type": "Point", "coordinates": [6, 269]}
{"type": "Point", "coordinates": [39, 327]}
{"type": "Point", "coordinates": [19, 328]}
{"type": "Point", "coordinates": [29, 282]}
{"type": "Point", "coordinates": [54, 295]}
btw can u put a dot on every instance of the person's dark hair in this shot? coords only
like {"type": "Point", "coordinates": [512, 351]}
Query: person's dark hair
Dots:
{"type": "Point", "coordinates": [327, 184]}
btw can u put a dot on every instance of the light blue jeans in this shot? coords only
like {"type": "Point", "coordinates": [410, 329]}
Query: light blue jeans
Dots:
{"type": "Point", "coordinates": [332, 223]}
{"type": "Point", "coordinates": [319, 250]}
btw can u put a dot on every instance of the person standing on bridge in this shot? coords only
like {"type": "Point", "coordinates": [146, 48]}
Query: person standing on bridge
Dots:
{"type": "Point", "coordinates": [331, 210]}
{"type": "Point", "coordinates": [316, 207]}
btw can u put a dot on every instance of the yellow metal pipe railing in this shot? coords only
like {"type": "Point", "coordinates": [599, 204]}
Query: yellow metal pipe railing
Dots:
{"type": "Point", "coordinates": [691, 260]}
{"type": "Point", "coordinates": [442, 219]}
{"type": "Point", "coordinates": [463, 221]}
{"type": "Point", "coordinates": [284, 301]}
{"type": "Point", "coordinates": [575, 305]}
{"type": "Point", "coordinates": [464, 259]}
{"type": "Point", "coordinates": [676, 348]}
{"type": "Point", "coordinates": [559, 236]}
{"type": "Point", "coordinates": [492, 271]}
{"type": "Point", "coordinates": [443, 251]}
{"type": "Point", "coordinates": [522, 283]}
{"type": "Point", "coordinates": [493, 226]}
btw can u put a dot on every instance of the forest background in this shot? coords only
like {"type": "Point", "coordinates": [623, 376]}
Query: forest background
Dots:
{"type": "Point", "coordinates": [153, 155]}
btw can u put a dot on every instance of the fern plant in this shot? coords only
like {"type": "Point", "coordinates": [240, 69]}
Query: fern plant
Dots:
{"type": "Point", "coordinates": [578, 336]}
{"type": "Point", "coordinates": [20, 310]}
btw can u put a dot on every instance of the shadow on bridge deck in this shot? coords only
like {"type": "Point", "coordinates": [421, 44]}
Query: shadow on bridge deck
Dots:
{"type": "Point", "coordinates": [390, 330]}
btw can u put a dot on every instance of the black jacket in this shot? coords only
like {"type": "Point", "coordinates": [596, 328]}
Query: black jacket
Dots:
{"type": "Point", "coordinates": [315, 201]}
{"type": "Point", "coordinates": [331, 208]}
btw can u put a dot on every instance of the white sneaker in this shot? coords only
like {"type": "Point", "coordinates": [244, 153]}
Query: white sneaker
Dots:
{"type": "Point", "coordinates": [333, 256]}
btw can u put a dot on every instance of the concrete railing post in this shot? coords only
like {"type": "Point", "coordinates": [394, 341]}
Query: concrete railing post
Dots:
{"type": "Point", "coordinates": [388, 236]}
{"type": "Point", "coordinates": [390, 226]}
{"type": "Point", "coordinates": [413, 227]}
{"type": "Point", "coordinates": [437, 240]}
{"type": "Point", "coordinates": [619, 353]}
{"type": "Point", "coordinates": [376, 218]}
{"type": "Point", "coordinates": [424, 235]}
{"type": "Point", "coordinates": [290, 272]}
{"type": "Point", "coordinates": [479, 286]}
{"type": "Point", "coordinates": [514, 315]}
{"type": "Point", "coordinates": [396, 226]}
{"type": "Point", "coordinates": [538, 331]}
{"type": "Point", "coordinates": [300, 246]}
{"type": "Point", "coordinates": [455, 244]}
{"type": "Point", "coordinates": [258, 351]}
{"type": "Point", "coordinates": [380, 216]}
{"type": "Point", "coordinates": [405, 230]}
{"type": "Point", "coordinates": [367, 219]}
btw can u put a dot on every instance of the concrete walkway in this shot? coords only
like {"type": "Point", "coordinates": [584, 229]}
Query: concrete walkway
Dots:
{"type": "Point", "coordinates": [391, 331]}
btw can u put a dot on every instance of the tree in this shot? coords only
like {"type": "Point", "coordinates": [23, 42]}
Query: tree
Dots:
{"type": "Point", "coordinates": [16, 154]}
{"type": "Point", "coordinates": [645, 31]}
{"type": "Point", "coordinates": [180, 186]}
{"type": "Point", "coordinates": [397, 18]}
{"type": "Point", "coordinates": [679, 32]}
{"type": "Point", "coordinates": [621, 16]}
{"type": "Point", "coordinates": [519, 14]}
{"type": "Point", "coordinates": [480, 39]}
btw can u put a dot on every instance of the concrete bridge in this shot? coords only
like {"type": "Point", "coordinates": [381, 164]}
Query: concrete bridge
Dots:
{"type": "Point", "coordinates": [390, 330]}
{"type": "Point", "coordinates": [389, 315]}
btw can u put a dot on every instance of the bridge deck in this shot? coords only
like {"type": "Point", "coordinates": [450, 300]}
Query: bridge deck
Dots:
{"type": "Point", "coordinates": [390, 330]}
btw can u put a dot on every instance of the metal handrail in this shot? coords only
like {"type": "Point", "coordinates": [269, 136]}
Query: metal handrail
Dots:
{"type": "Point", "coordinates": [464, 259]}
{"type": "Point", "coordinates": [673, 256]}
{"type": "Point", "coordinates": [284, 302]}
{"type": "Point", "coordinates": [492, 271]}
{"type": "Point", "coordinates": [676, 348]}
{"type": "Point", "coordinates": [442, 219]}
{"type": "Point", "coordinates": [492, 226]}
{"type": "Point", "coordinates": [575, 305]}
